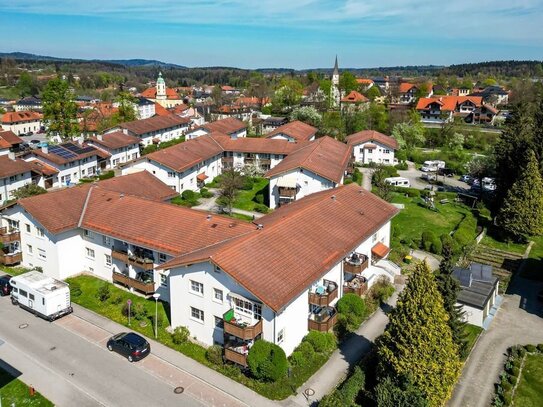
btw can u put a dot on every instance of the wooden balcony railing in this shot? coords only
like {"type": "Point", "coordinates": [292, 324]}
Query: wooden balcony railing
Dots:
{"type": "Point", "coordinates": [287, 192]}
{"type": "Point", "coordinates": [355, 288]}
{"type": "Point", "coordinates": [325, 299]}
{"type": "Point", "coordinates": [8, 236]}
{"type": "Point", "coordinates": [136, 261]}
{"type": "Point", "coordinates": [245, 332]}
{"type": "Point", "coordinates": [322, 325]}
{"type": "Point", "coordinates": [10, 259]}
{"type": "Point", "coordinates": [356, 267]}
{"type": "Point", "coordinates": [145, 288]}
{"type": "Point", "coordinates": [233, 356]}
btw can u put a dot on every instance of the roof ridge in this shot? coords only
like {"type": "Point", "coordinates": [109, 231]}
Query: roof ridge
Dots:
{"type": "Point", "coordinates": [87, 198]}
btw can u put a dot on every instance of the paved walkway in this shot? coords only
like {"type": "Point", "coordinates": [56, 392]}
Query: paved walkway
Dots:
{"type": "Point", "coordinates": [367, 173]}
{"type": "Point", "coordinates": [517, 322]}
{"type": "Point", "coordinates": [209, 205]}
{"type": "Point", "coordinates": [350, 352]}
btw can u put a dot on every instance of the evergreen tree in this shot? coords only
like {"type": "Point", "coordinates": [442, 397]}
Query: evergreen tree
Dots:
{"type": "Point", "coordinates": [521, 214]}
{"type": "Point", "coordinates": [449, 288]}
{"type": "Point", "coordinates": [402, 394]}
{"type": "Point", "coordinates": [60, 110]}
{"type": "Point", "coordinates": [537, 143]}
{"type": "Point", "coordinates": [418, 341]}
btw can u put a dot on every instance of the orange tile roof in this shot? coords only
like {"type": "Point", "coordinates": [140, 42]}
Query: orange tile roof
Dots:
{"type": "Point", "coordinates": [380, 250]}
{"type": "Point", "coordinates": [298, 244]}
{"type": "Point", "coordinates": [227, 126]}
{"type": "Point", "coordinates": [256, 145]}
{"type": "Point", "coordinates": [179, 108]}
{"type": "Point", "coordinates": [4, 144]}
{"type": "Point", "coordinates": [24, 116]}
{"type": "Point", "coordinates": [10, 137]}
{"type": "Point", "coordinates": [150, 93]}
{"type": "Point", "coordinates": [9, 167]}
{"type": "Point", "coordinates": [115, 140]}
{"type": "Point", "coordinates": [155, 123]}
{"type": "Point", "coordinates": [325, 156]}
{"type": "Point", "coordinates": [364, 81]}
{"type": "Point", "coordinates": [448, 103]}
{"type": "Point", "coordinates": [354, 97]}
{"type": "Point", "coordinates": [61, 210]}
{"type": "Point", "coordinates": [42, 168]}
{"type": "Point", "coordinates": [406, 87]}
{"type": "Point", "coordinates": [371, 136]}
{"type": "Point", "coordinates": [61, 159]}
{"type": "Point", "coordinates": [161, 110]}
{"type": "Point", "coordinates": [298, 130]}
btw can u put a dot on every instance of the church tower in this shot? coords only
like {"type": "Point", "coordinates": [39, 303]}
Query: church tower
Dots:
{"type": "Point", "coordinates": [160, 88]}
{"type": "Point", "coordinates": [335, 95]}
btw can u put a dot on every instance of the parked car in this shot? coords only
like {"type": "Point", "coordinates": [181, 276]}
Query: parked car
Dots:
{"type": "Point", "coordinates": [466, 178]}
{"type": "Point", "coordinates": [447, 172]}
{"type": "Point", "coordinates": [5, 287]}
{"type": "Point", "coordinates": [30, 133]}
{"type": "Point", "coordinates": [34, 143]}
{"type": "Point", "coordinates": [129, 344]}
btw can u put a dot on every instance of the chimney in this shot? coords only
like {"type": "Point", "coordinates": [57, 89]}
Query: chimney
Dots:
{"type": "Point", "coordinates": [333, 197]}
{"type": "Point", "coordinates": [11, 155]}
{"type": "Point", "coordinates": [100, 137]}
{"type": "Point", "coordinates": [80, 140]}
{"type": "Point", "coordinates": [208, 217]}
{"type": "Point", "coordinates": [45, 149]}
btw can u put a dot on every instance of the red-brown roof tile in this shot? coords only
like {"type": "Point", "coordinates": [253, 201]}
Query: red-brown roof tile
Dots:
{"type": "Point", "coordinates": [10, 137]}
{"type": "Point", "coordinates": [256, 145]}
{"type": "Point", "coordinates": [448, 103]}
{"type": "Point", "coordinates": [24, 116]}
{"type": "Point", "coordinates": [150, 93]}
{"type": "Point", "coordinates": [355, 97]}
{"type": "Point", "coordinates": [115, 140]}
{"type": "Point", "coordinates": [155, 123]}
{"type": "Point", "coordinates": [226, 126]}
{"type": "Point", "coordinates": [365, 136]}
{"type": "Point", "coordinates": [9, 167]}
{"type": "Point", "coordinates": [380, 250]}
{"type": "Point", "coordinates": [298, 130]}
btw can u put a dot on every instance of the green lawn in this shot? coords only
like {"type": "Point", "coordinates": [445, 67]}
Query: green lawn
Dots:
{"type": "Point", "coordinates": [15, 392]}
{"type": "Point", "coordinates": [112, 309]}
{"type": "Point", "coordinates": [496, 243]}
{"type": "Point", "coordinates": [13, 271]}
{"type": "Point", "coordinates": [533, 268]}
{"type": "Point", "coordinates": [411, 221]}
{"type": "Point", "coordinates": [473, 333]}
{"type": "Point", "coordinates": [245, 199]}
{"type": "Point", "coordinates": [529, 392]}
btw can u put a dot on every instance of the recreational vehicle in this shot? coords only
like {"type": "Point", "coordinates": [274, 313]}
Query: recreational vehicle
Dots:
{"type": "Point", "coordinates": [398, 182]}
{"type": "Point", "coordinates": [42, 295]}
{"type": "Point", "coordinates": [434, 165]}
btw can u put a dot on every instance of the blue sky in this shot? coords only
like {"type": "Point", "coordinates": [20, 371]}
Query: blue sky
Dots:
{"type": "Point", "coordinates": [277, 33]}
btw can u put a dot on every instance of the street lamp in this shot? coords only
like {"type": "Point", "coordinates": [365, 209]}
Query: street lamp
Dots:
{"type": "Point", "coordinates": [156, 296]}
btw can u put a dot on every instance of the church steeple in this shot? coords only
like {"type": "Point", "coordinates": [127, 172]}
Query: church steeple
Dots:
{"type": "Point", "coordinates": [336, 69]}
{"type": "Point", "coordinates": [160, 87]}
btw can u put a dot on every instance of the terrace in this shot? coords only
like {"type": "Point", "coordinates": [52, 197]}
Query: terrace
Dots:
{"type": "Point", "coordinates": [146, 287]}
{"type": "Point", "coordinates": [139, 258]}
{"type": "Point", "coordinates": [8, 235]}
{"type": "Point", "coordinates": [323, 295]}
{"type": "Point", "coordinates": [322, 319]}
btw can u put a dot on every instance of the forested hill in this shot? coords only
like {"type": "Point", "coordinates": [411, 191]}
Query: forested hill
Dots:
{"type": "Point", "coordinates": [497, 69]}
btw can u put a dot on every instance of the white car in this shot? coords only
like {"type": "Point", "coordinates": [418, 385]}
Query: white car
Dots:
{"type": "Point", "coordinates": [428, 169]}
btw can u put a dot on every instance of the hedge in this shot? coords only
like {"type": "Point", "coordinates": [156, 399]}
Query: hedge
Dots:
{"type": "Point", "coordinates": [267, 361]}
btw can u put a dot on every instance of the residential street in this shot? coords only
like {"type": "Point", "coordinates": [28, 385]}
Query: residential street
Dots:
{"type": "Point", "coordinates": [517, 322]}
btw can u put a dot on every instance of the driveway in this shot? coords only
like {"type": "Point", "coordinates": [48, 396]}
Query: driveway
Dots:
{"type": "Point", "coordinates": [517, 322]}
{"type": "Point", "coordinates": [414, 177]}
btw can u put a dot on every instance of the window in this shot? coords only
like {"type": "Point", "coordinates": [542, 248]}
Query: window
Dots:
{"type": "Point", "coordinates": [370, 151]}
{"type": "Point", "coordinates": [196, 287]}
{"type": "Point", "coordinates": [88, 234]}
{"type": "Point", "coordinates": [23, 293]}
{"type": "Point", "coordinates": [40, 232]}
{"type": "Point", "coordinates": [217, 269]}
{"type": "Point", "coordinates": [31, 297]}
{"type": "Point", "coordinates": [161, 258]}
{"type": "Point", "coordinates": [29, 249]}
{"type": "Point", "coordinates": [217, 294]}
{"type": "Point", "coordinates": [171, 174]}
{"type": "Point", "coordinates": [108, 260]}
{"type": "Point", "coordinates": [89, 252]}
{"type": "Point", "coordinates": [247, 307]}
{"type": "Point", "coordinates": [197, 314]}
{"type": "Point", "coordinates": [374, 238]}
{"type": "Point", "coordinates": [281, 335]}
{"type": "Point", "coordinates": [42, 254]}
{"type": "Point", "coordinates": [106, 240]}
{"type": "Point", "coordinates": [12, 178]}
{"type": "Point", "coordinates": [27, 226]}
{"type": "Point", "coordinates": [219, 322]}
{"type": "Point", "coordinates": [386, 151]}
{"type": "Point", "coordinates": [163, 280]}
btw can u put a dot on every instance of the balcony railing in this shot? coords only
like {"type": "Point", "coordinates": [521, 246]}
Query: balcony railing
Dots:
{"type": "Point", "coordinates": [136, 261]}
{"type": "Point", "coordinates": [324, 299]}
{"type": "Point", "coordinates": [355, 286]}
{"type": "Point", "coordinates": [232, 355]}
{"type": "Point", "coordinates": [9, 259]}
{"type": "Point", "coordinates": [356, 264]}
{"type": "Point", "coordinates": [324, 321]}
{"type": "Point", "coordinates": [287, 192]}
{"type": "Point", "coordinates": [9, 235]}
{"type": "Point", "coordinates": [145, 288]}
{"type": "Point", "coordinates": [241, 330]}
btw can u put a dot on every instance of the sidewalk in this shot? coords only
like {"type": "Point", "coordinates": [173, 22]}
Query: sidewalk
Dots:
{"type": "Point", "coordinates": [353, 349]}
{"type": "Point", "coordinates": [210, 387]}
{"type": "Point", "coordinates": [209, 205]}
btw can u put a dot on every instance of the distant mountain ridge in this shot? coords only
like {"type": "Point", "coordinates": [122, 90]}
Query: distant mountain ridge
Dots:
{"type": "Point", "coordinates": [23, 56]}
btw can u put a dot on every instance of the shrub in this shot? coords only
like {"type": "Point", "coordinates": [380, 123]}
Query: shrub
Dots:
{"type": "Point", "coordinates": [540, 348]}
{"type": "Point", "coordinates": [117, 300]}
{"type": "Point", "coordinates": [346, 395]}
{"type": "Point", "coordinates": [297, 358]}
{"type": "Point", "coordinates": [103, 292]}
{"type": "Point", "coordinates": [159, 320]}
{"type": "Point", "coordinates": [321, 341]}
{"type": "Point", "coordinates": [381, 290]}
{"type": "Point", "coordinates": [306, 349]}
{"type": "Point", "coordinates": [437, 246]}
{"type": "Point", "coordinates": [75, 289]}
{"type": "Point", "coordinates": [506, 385]}
{"type": "Point", "coordinates": [259, 198]}
{"type": "Point", "coordinates": [515, 371]}
{"type": "Point", "coordinates": [248, 183]}
{"type": "Point", "coordinates": [530, 348]}
{"type": "Point", "coordinates": [214, 354]}
{"type": "Point", "coordinates": [352, 310]}
{"type": "Point", "coordinates": [402, 166]}
{"type": "Point", "coordinates": [267, 361]}
{"type": "Point", "coordinates": [180, 335]}
{"type": "Point", "coordinates": [261, 208]}
{"type": "Point", "coordinates": [205, 193]}
{"type": "Point", "coordinates": [413, 193]}
{"type": "Point", "coordinates": [428, 238]}
{"type": "Point", "coordinates": [139, 311]}
{"type": "Point", "coordinates": [189, 195]}
{"type": "Point", "coordinates": [106, 175]}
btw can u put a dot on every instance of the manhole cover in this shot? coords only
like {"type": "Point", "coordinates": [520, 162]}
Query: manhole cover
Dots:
{"type": "Point", "coordinates": [53, 348]}
{"type": "Point", "coordinates": [179, 390]}
{"type": "Point", "coordinates": [23, 326]}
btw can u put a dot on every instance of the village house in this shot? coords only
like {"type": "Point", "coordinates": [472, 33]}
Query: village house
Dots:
{"type": "Point", "coordinates": [23, 122]}
{"type": "Point", "coordinates": [271, 123]}
{"type": "Point", "coordinates": [231, 126]}
{"type": "Point", "coordinates": [156, 129]}
{"type": "Point", "coordinates": [15, 173]}
{"type": "Point", "coordinates": [294, 131]}
{"type": "Point", "coordinates": [29, 103]}
{"type": "Point", "coordinates": [408, 92]}
{"type": "Point", "coordinates": [239, 112]}
{"type": "Point", "coordinates": [9, 142]}
{"type": "Point", "coordinates": [320, 165]}
{"type": "Point", "coordinates": [370, 146]}
{"type": "Point", "coordinates": [493, 95]}
{"type": "Point", "coordinates": [161, 94]}
{"type": "Point", "coordinates": [442, 109]}
{"type": "Point", "coordinates": [120, 147]}
{"type": "Point", "coordinates": [144, 108]}
{"type": "Point", "coordinates": [354, 101]}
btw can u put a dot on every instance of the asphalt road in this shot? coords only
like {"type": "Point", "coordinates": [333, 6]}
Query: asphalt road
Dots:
{"type": "Point", "coordinates": [452, 184]}
{"type": "Point", "coordinates": [72, 371]}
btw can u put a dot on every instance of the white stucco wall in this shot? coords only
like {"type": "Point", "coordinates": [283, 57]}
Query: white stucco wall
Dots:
{"type": "Point", "coordinates": [12, 183]}
{"type": "Point", "coordinates": [381, 155]}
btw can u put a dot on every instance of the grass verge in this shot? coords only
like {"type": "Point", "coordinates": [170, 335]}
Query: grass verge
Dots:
{"type": "Point", "coordinates": [14, 392]}
{"type": "Point", "coordinates": [529, 392]}
{"type": "Point", "coordinates": [472, 333]}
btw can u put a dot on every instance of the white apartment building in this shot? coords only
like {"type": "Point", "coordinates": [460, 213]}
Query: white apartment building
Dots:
{"type": "Point", "coordinates": [22, 122]}
{"type": "Point", "coordinates": [14, 174]}
{"type": "Point", "coordinates": [370, 146]}
{"type": "Point", "coordinates": [156, 129]}
{"type": "Point", "coordinates": [230, 126]}
{"type": "Point", "coordinates": [294, 131]}
{"type": "Point", "coordinates": [120, 147]}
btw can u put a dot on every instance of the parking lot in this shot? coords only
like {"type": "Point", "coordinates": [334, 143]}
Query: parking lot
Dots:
{"type": "Point", "coordinates": [450, 183]}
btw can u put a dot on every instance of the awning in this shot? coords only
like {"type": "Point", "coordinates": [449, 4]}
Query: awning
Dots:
{"type": "Point", "coordinates": [380, 250]}
{"type": "Point", "coordinates": [201, 177]}
{"type": "Point", "coordinates": [287, 181]}
{"type": "Point", "coordinates": [370, 146]}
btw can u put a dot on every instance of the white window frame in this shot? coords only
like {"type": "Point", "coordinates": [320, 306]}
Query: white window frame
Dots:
{"type": "Point", "coordinates": [196, 287]}
{"type": "Point", "coordinates": [163, 280]}
{"type": "Point", "coordinates": [29, 249]}
{"type": "Point", "coordinates": [90, 253]}
{"type": "Point", "coordinates": [108, 260]}
{"type": "Point", "coordinates": [40, 232]}
{"type": "Point", "coordinates": [88, 234]}
{"type": "Point", "coordinates": [162, 258]}
{"type": "Point", "coordinates": [218, 295]}
{"type": "Point", "coordinates": [281, 336]}
{"type": "Point", "coordinates": [197, 315]}
{"type": "Point", "coordinates": [42, 254]}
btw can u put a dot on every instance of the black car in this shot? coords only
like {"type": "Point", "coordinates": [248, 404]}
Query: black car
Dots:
{"type": "Point", "coordinates": [129, 344]}
{"type": "Point", "coordinates": [5, 288]}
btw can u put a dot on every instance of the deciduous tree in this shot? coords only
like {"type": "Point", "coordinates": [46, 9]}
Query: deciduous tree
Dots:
{"type": "Point", "coordinates": [60, 110]}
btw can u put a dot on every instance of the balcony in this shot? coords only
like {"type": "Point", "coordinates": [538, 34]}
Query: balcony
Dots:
{"type": "Point", "coordinates": [285, 192]}
{"type": "Point", "coordinates": [143, 262]}
{"type": "Point", "coordinates": [323, 320]}
{"type": "Point", "coordinates": [227, 161]}
{"type": "Point", "coordinates": [145, 288]}
{"type": "Point", "coordinates": [356, 263]}
{"type": "Point", "coordinates": [9, 235]}
{"type": "Point", "coordinates": [324, 295]}
{"type": "Point", "coordinates": [240, 329]}
{"type": "Point", "coordinates": [357, 285]}
{"type": "Point", "coordinates": [264, 162]}
{"type": "Point", "coordinates": [9, 259]}
{"type": "Point", "coordinates": [236, 353]}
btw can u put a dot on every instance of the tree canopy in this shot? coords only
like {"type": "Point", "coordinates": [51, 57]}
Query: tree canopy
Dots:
{"type": "Point", "coordinates": [60, 110]}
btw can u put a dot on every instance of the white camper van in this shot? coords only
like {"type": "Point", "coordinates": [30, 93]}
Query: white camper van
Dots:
{"type": "Point", "coordinates": [42, 295]}
{"type": "Point", "coordinates": [398, 182]}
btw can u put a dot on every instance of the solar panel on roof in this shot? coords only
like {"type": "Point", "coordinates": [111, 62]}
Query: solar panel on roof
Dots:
{"type": "Point", "coordinates": [61, 152]}
{"type": "Point", "coordinates": [77, 149]}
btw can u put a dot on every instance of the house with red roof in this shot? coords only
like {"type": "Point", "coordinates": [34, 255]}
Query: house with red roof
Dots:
{"type": "Point", "coordinates": [120, 147]}
{"type": "Point", "coordinates": [23, 122]}
{"type": "Point", "coordinates": [354, 101]}
{"type": "Point", "coordinates": [443, 109]}
{"type": "Point", "coordinates": [370, 146]}
{"type": "Point", "coordinates": [408, 92]}
{"type": "Point", "coordinates": [293, 132]}
{"type": "Point", "coordinates": [160, 93]}
{"type": "Point", "coordinates": [229, 125]}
